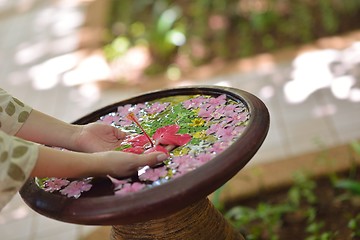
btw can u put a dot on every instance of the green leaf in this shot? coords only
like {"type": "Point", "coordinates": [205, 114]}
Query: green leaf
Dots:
{"type": "Point", "coordinates": [349, 185]}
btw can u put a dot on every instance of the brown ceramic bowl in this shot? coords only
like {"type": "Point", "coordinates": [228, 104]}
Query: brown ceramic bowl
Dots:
{"type": "Point", "coordinates": [171, 196]}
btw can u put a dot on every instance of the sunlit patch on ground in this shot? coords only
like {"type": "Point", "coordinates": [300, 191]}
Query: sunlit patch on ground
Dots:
{"type": "Point", "coordinates": [338, 70]}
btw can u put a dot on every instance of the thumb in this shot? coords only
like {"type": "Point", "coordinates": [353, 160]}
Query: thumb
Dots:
{"type": "Point", "coordinates": [151, 158]}
{"type": "Point", "coordinates": [119, 134]}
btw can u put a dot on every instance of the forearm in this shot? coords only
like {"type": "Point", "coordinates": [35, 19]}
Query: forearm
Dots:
{"type": "Point", "coordinates": [44, 129]}
{"type": "Point", "coordinates": [61, 163]}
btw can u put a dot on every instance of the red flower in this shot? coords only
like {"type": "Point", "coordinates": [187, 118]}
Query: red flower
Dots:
{"type": "Point", "coordinates": [136, 150]}
{"type": "Point", "coordinates": [167, 136]}
{"type": "Point", "coordinates": [139, 140]}
{"type": "Point", "coordinates": [157, 148]}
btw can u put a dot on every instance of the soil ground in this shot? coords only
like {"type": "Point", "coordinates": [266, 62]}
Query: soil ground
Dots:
{"type": "Point", "coordinates": [334, 209]}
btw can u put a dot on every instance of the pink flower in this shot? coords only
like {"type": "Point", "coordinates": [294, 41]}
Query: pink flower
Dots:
{"type": "Point", "coordinates": [205, 112]}
{"type": "Point", "coordinates": [167, 136]}
{"type": "Point", "coordinates": [109, 119]}
{"type": "Point", "coordinates": [157, 108]}
{"type": "Point", "coordinates": [220, 100]}
{"type": "Point", "coordinates": [237, 117]}
{"type": "Point", "coordinates": [55, 184]}
{"type": "Point", "coordinates": [218, 147]}
{"type": "Point", "coordinates": [117, 183]}
{"type": "Point", "coordinates": [75, 188]}
{"type": "Point", "coordinates": [195, 102]}
{"type": "Point", "coordinates": [204, 157]}
{"type": "Point", "coordinates": [124, 110]}
{"type": "Point", "coordinates": [153, 174]}
{"type": "Point", "coordinates": [225, 133]}
{"type": "Point", "coordinates": [215, 128]}
{"type": "Point", "coordinates": [125, 122]}
{"type": "Point", "coordinates": [130, 188]}
{"type": "Point", "coordinates": [189, 165]}
{"type": "Point", "coordinates": [138, 107]}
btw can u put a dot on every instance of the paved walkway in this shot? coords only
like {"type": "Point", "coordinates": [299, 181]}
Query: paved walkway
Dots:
{"type": "Point", "coordinates": [313, 99]}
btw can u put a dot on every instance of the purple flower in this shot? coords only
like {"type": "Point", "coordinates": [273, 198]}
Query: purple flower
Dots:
{"type": "Point", "coordinates": [75, 188]}
{"type": "Point", "coordinates": [55, 184]}
{"type": "Point", "coordinates": [130, 188]}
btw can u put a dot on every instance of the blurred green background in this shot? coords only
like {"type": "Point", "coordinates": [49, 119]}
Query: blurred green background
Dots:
{"type": "Point", "coordinates": [181, 34]}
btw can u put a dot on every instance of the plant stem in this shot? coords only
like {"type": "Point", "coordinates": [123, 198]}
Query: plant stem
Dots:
{"type": "Point", "coordinates": [133, 118]}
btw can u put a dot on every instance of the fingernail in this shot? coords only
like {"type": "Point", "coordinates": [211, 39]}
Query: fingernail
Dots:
{"type": "Point", "coordinates": [161, 157]}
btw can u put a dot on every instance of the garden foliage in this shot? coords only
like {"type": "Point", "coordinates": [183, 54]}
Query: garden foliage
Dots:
{"type": "Point", "coordinates": [184, 34]}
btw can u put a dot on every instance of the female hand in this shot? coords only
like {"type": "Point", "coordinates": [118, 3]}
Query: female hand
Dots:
{"type": "Point", "coordinates": [78, 164]}
{"type": "Point", "coordinates": [97, 137]}
{"type": "Point", "coordinates": [121, 164]}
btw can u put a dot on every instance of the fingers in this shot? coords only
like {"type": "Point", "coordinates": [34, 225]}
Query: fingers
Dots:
{"type": "Point", "coordinates": [119, 134]}
{"type": "Point", "coordinates": [151, 158]}
{"type": "Point", "coordinates": [170, 147]}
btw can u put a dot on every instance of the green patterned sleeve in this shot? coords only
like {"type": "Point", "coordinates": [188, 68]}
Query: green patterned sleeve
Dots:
{"type": "Point", "coordinates": [13, 113]}
{"type": "Point", "coordinates": [17, 157]}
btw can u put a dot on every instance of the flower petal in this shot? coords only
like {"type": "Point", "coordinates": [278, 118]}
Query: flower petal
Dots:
{"type": "Point", "coordinates": [174, 139]}
{"type": "Point", "coordinates": [136, 150]}
{"type": "Point", "coordinates": [170, 129]}
{"type": "Point", "coordinates": [157, 148]}
{"type": "Point", "coordinates": [139, 140]}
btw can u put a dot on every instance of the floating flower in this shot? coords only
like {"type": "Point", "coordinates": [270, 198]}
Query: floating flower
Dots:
{"type": "Point", "coordinates": [117, 183]}
{"type": "Point", "coordinates": [220, 100]}
{"type": "Point", "coordinates": [157, 108]}
{"type": "Point", "coordinates": [130, 188]}
{"type": "Point", "coordinates": [153, 174]}
{"type": "Point", "coordinates": [189, 165]}
{"type": "Point", "coordinates": [167, 136]}
{"type": "Point", "coordinates": [204, 157]}
{"type": "Point", "coordinates": [214, 123]}
{"type": "Point", "coordinates": [205, 112]}
{"type": "Point", "coordinates": [195, 102]}
{"type": "Point", "coordinates": [123, 111]}
{"type": "Point", "coordinates": [218, 147]}
{"type": "Point", "coordinates": [136, 150]}
{"type": "Point", "coordinates": [139, 140]}
{"type": "Point", "coordinates": [75, 188]}
{"type": "Point", "coordinates": [197, 122]}
{"type": "Point", "coordinates": [55, 184]}
{"type": "Point", "coordinates": [215, 128]}
{"type": "Point", "coordinates": [200, 135]}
